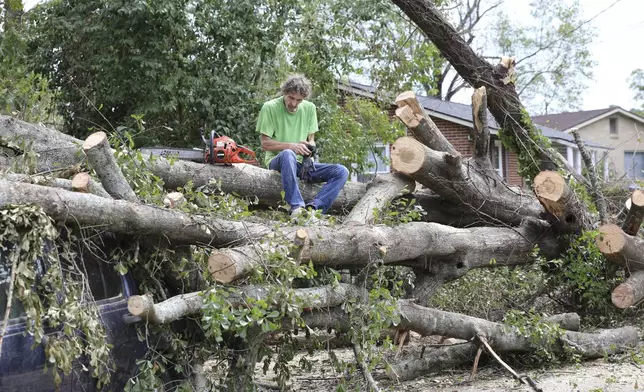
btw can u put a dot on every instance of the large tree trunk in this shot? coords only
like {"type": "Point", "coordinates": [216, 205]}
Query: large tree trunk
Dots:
{"type": "Point", "coordinates": [630, 292]}
{"type": "Point", "coordinates": [120, 216]}
{"type": "Point", "coordinates": [458, 250]}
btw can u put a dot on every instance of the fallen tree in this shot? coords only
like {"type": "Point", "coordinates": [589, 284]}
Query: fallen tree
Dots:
{"type": "Point", "coordinates": [181, 250]}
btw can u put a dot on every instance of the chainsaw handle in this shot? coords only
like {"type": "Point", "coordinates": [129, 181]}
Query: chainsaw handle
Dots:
{"type": "Point", "coordinates": [212, 146]}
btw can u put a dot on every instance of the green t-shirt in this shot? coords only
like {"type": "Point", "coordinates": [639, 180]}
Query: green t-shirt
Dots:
{"type": "Point", "coordinates": [276, 122]}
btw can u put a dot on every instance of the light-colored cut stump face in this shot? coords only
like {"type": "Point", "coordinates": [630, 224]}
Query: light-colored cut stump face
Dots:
{"type": "Point", "coordinates": [135, 305]}
{"type": "Point", "coordinates": [549, 186]}
{"type": "Point", "coordinates": [222, 268]}
{"type": "Point", "coordinates": [94, 140]}
{"type": "Point", "coordinates": [622, 296]}
{"type": "Point", "coordinates": [403, 98]}
{"type": "Point", "coordinates": [407, 155]}
{"type": "Point", "coordinates": [610, 239]}
{"type": "Point", "coordinates": [80, 181]}
{"type": "Point", "coordinates": [406, 114]}
{"type": "Point", "coordinates": [638, 198]}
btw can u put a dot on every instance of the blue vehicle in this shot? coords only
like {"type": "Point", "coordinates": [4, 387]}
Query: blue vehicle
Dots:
{"type": "Point", "coordinates": [23, 368]}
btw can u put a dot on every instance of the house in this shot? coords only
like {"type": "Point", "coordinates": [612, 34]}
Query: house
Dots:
{"type": "Point", "coordinates": [455, 122]}
{"type": "Point", "coordinates": [614, 127]}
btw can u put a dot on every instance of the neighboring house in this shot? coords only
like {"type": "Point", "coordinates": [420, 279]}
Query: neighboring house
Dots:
{"type": "Point", "coordinates": [455, 122]}
{"type": "Point", "coordinates": [614, 127]}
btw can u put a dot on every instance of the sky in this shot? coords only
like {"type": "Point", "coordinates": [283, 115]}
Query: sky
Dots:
{"type": "Point", "coordinates": [617, 49]}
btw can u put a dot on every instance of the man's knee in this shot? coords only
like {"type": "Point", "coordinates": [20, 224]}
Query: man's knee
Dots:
{"type": "Point", "coordinates": [341, 172]}
{"type": "Point", "coordinates": [287, 155]}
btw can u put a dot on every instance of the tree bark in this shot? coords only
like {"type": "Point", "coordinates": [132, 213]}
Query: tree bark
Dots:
{"type": "Point", "coordinates": [412, 114]}
{"type": "Point", "coordinates": [183, 305]}
{"type": "Point", "coordinates": [569, 213]}
{"type": "Point", "coordinates": [100, 156]}
{"type": "Point", "coordinates": [380, 191]}
{"type": "Point", "coordinates": [630, 292]}
{"type": "Point", "coordinates": [503, 338]}
{"type": "Point", "coordinates": [635, 214]}
{"type": "Point", "coordinates": [55, 150]}
{"type": "Point", "coordinates": [120, 216]}
{"type": "Point", "coordinates": [621, 248]}
{"type": "Point", "coordinates": [443, 251]}
{"type": "Point", "coordinates": [463, 183]}
{"type": "Point", "coordinates": [595, 189]}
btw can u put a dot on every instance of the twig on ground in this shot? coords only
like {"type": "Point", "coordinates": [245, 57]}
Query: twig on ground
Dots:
{"type": "Point", "coordinates": [523, 378]}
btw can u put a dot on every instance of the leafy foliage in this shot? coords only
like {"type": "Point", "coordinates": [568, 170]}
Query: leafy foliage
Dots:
{"type": "Point", "coordinates": [543, 336]}
{"type": "Point", "coordinates": [553, 57]}
{"type": "Point", "coordinates": [583, 278]}
{"type": "Point", "coordinates": [46, 281]}
{"type": "Point", "coordinates": [24, 94]}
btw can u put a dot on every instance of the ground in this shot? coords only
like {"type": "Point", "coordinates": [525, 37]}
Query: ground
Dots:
{"type": "Point", "coordinates": [595, 376]}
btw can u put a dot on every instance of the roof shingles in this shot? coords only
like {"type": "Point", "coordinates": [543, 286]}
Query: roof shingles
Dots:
{"type": "Point", "coordinates": [567, 120]}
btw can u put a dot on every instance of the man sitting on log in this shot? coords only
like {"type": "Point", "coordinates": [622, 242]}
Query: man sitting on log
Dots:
{"type": "Point", "coordinates": [287, 125]}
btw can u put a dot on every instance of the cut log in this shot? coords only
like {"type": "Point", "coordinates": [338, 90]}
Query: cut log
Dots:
{"type": "Point", "coordinates": [630, 292]}
{"type": "Point", "coordinates": [428, 247]}
{"type": "Point", "coordinates": [174, 199]}
{"type": "Point", "coordinates": [464, 183]}
{"type": "Point", "coordinates": [635, 214]}
{"type": "Point", "coordinates": [380, 191]}
{"type": "Point", "coordinates": [502, 338]}
{"type": "Point", "coordinates": [570, 214]}
{"type": "Point", "coordinates": [481, 132]}
{"type": "Point", "coordinates": [100, 156]}
{"type": "Point", "coordinates": [621, 248]}
{"type": "Point", "coordinates": [412, 114]}
{"type": "Point", "coordinates": [83, 182]}
{"type": "Point", "coordinates": [184, 305]}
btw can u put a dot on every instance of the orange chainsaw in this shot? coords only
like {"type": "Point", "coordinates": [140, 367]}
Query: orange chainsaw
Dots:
{"type": "Point", "coordinates": [224, 150]}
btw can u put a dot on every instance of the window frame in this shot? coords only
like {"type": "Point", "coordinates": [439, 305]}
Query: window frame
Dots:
{"type": "Point", "coordinates": [613, 128]}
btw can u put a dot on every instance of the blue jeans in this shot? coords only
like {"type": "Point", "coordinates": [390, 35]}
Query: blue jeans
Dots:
{"type": "Point", "coordinates": [334, 175]}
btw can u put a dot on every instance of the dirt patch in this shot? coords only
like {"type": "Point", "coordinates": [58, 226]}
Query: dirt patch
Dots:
{"type": "Point", "coordinates": [597, 375]}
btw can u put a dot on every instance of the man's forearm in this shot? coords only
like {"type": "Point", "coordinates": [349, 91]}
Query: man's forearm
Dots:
{"type": "Point", "coordinates": [269, 144]}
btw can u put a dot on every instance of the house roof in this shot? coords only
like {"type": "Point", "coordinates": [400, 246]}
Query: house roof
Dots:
{"type": "Point", "coordinates": [462, 114]}
{"type": "Point", "coordinates": [567, 120]}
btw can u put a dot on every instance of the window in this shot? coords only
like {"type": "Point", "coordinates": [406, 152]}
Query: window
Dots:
{"type": "Point", "coordinates": [634, 164]}
{"type": "Point", "coordinates": [496, 157]}
{"type": "Point", "coordinates": [375, 159]}
{"type": "Point", "coordinates": [612, 125]}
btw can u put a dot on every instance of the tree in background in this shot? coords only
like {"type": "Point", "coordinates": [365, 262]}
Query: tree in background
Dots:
{"type": "Point", "coordinates": [23, 93]}
{"type": "Point", "coordinates": [637, 85]}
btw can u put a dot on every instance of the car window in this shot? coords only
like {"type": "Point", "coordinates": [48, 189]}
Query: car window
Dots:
{"type": "Point", "coordinates": [104, 281]}
{"type": "Point", "coordinates": [17, 309]}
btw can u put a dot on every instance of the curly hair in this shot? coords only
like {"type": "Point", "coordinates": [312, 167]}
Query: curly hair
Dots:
{"type": "Point", "coordinates": [297, 84]}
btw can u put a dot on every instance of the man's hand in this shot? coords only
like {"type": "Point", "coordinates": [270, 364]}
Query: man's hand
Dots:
{"type": "Point", "coordinates": [300, 149]}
